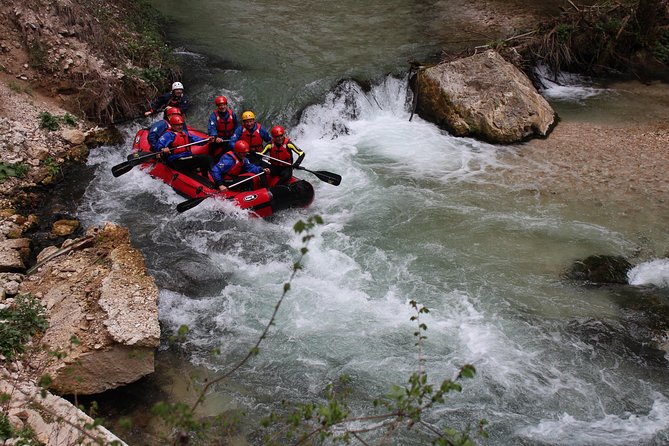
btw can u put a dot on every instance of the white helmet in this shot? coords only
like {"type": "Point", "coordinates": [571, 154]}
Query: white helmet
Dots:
{"type": "Point", "coordinates": [177, 86]}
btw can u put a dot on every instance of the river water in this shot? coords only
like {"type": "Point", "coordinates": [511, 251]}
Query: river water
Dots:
{"type": "Point", "coordinates": [419, 215]}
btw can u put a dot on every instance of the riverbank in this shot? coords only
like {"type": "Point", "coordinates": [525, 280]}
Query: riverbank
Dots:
{"type": "Point", "coordinates": [615, 153]}
{"type": "Point", "coordinates": [607, 157]}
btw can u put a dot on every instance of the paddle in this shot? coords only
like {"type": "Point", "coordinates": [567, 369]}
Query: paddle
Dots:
{"type": "Point", "coordinates": [323, 175]}
{"type": "Point", "coordinates": [189, 204]}
{"type": "Point", "coordinates": [126, 166]}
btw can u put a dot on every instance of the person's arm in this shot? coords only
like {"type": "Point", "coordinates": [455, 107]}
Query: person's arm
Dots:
{"type": "Point", "coordinates": [220, 169]}
{"type": "Point", "coordinates": [164, 142]}
{"type": "Point", "coordinates": [184, 104]}
{"type": "Point", "coordinates": [158, 104]}
{"type": "Point", "coordinates": [298, 152]}
{"type": "Point", "coordinates": [211, 126]}
{"type": "Point", "coordinates": [155, 132]}
{"type": "Point", "coordinates": [264, 134]}
{"type": "Point", "coordinates": [235, 137]}
{"type": "Point", "coordinates": [249, 167]}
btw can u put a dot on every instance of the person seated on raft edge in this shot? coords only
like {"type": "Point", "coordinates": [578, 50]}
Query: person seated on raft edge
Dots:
{"type": "Point", "coordinates": [234, 166]}
{"type": "Point", "coordinates": [253, 133]}
{"type": "Point", "coordinates": [174, 98]}
{"type": "Point", "coordinates": [222, 124]}
{"type": "Point", "coordinates": [282, 149]}
{"type": "Point", "coordinates": [182, 159]}
{"type": "Point", "coordinates": [159, 128]}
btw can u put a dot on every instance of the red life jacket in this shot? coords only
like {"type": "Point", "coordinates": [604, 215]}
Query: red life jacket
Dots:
{"type": "Point", "coordinates": [254, 139]}
{"type": "Point", "coordinates": [180, 139]}
{"type": "Point", "coordinates": [174, 102]}
{"type": "Point", "coordinates": [237, 169]}
{"type": "Point", "coordinates": [281, 152]}
{"type": "Point", "coordinates": [225, 126]}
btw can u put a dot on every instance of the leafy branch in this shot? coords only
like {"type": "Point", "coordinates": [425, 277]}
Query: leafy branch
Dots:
{"type": "Point", "coordinates": [402, 407]}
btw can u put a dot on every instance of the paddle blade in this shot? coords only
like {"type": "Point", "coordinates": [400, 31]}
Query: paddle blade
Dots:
{"type": "Point", "coordinates": [122, 168]}
{"type": "Point", "coordinates": [328, 177]}
{"type": "Point", "coordinates": [133, 160]}
{"type": "Point", "coordinates": [189, 204]}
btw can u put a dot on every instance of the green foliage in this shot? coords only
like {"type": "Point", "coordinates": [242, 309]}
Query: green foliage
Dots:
{"type": "Point", "coordinates": [69, 120]}
{"type": "Point", "coordinates": [49, 121]}
{"type": "Point", "coordinates": [403, 407]}
{"type": "Point", "coordinates": [6, 430]}
{"type": "Point", "coordinates": [602, 39]}
{"type": "Point", "coordinates": [22, 437]}
{"type": "Point", "coordinates": [19, 322]}
{"type": "Point", "coordinates": [52, 122]}
{"type": "Point", "coordinates": [52, 166]}
{"type": "Point", "coordinates": [180, 336]}
{"type": "Point", "coordinates": [150, 74]}
{"type": "Point", "coordinates": [564, 31]}
{"type": "Point", "coordinates": [18, 170]}
{"type": "Point", "coordinates": [609, 25]}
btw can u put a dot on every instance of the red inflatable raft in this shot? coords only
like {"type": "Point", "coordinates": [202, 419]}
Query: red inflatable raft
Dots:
{"type": "Point", "coordinates": [261, 202]}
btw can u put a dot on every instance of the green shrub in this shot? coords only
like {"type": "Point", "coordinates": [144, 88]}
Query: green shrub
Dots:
{"type": "Point", "coordinates": [49, 121]}
{"type": "Point", "coordinates": [19, 322]}
{"type": "Point", "coordinates": [52, 166]}
{"type": "Point", "coordinates": [6, 430]}
{"type": "Point", "coordinates": [69, 120]}
{"type": "Point", "coordinates": [17, 170]}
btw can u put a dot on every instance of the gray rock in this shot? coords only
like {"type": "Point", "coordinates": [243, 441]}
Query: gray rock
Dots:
{"type": "Point", "coordinates": [485, 97]}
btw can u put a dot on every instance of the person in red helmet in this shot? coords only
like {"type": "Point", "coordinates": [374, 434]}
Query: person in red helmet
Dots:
{"type": "Point", "coordinates": [181, 158]}
{"type": "Point", "coordinates": [173, 98]}
{"type": "Point", "coordinates": [222, 121]}
{"type": "Point", "coordinates": [222, 124]}
{"type": "Point", "coordinates": [159, 128]}
{"type": "Point", "coordinates": [282, 149]}
{"type": "Point", "coordinates": [234, 166]}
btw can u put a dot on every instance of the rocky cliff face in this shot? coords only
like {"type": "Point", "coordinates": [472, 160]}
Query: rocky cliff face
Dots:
{"type": "Point", "coordinates": [64, 65]}
{"type": "Point", "coordinates": [96, 58]}
{"type": "Point", "coordinates": [102, 309]}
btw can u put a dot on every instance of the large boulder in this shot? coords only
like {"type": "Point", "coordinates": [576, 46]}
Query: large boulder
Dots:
{"type": "Point", "coordinates": [485, 97]}
{"type": "Point", "coordinates": [102, 310]}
